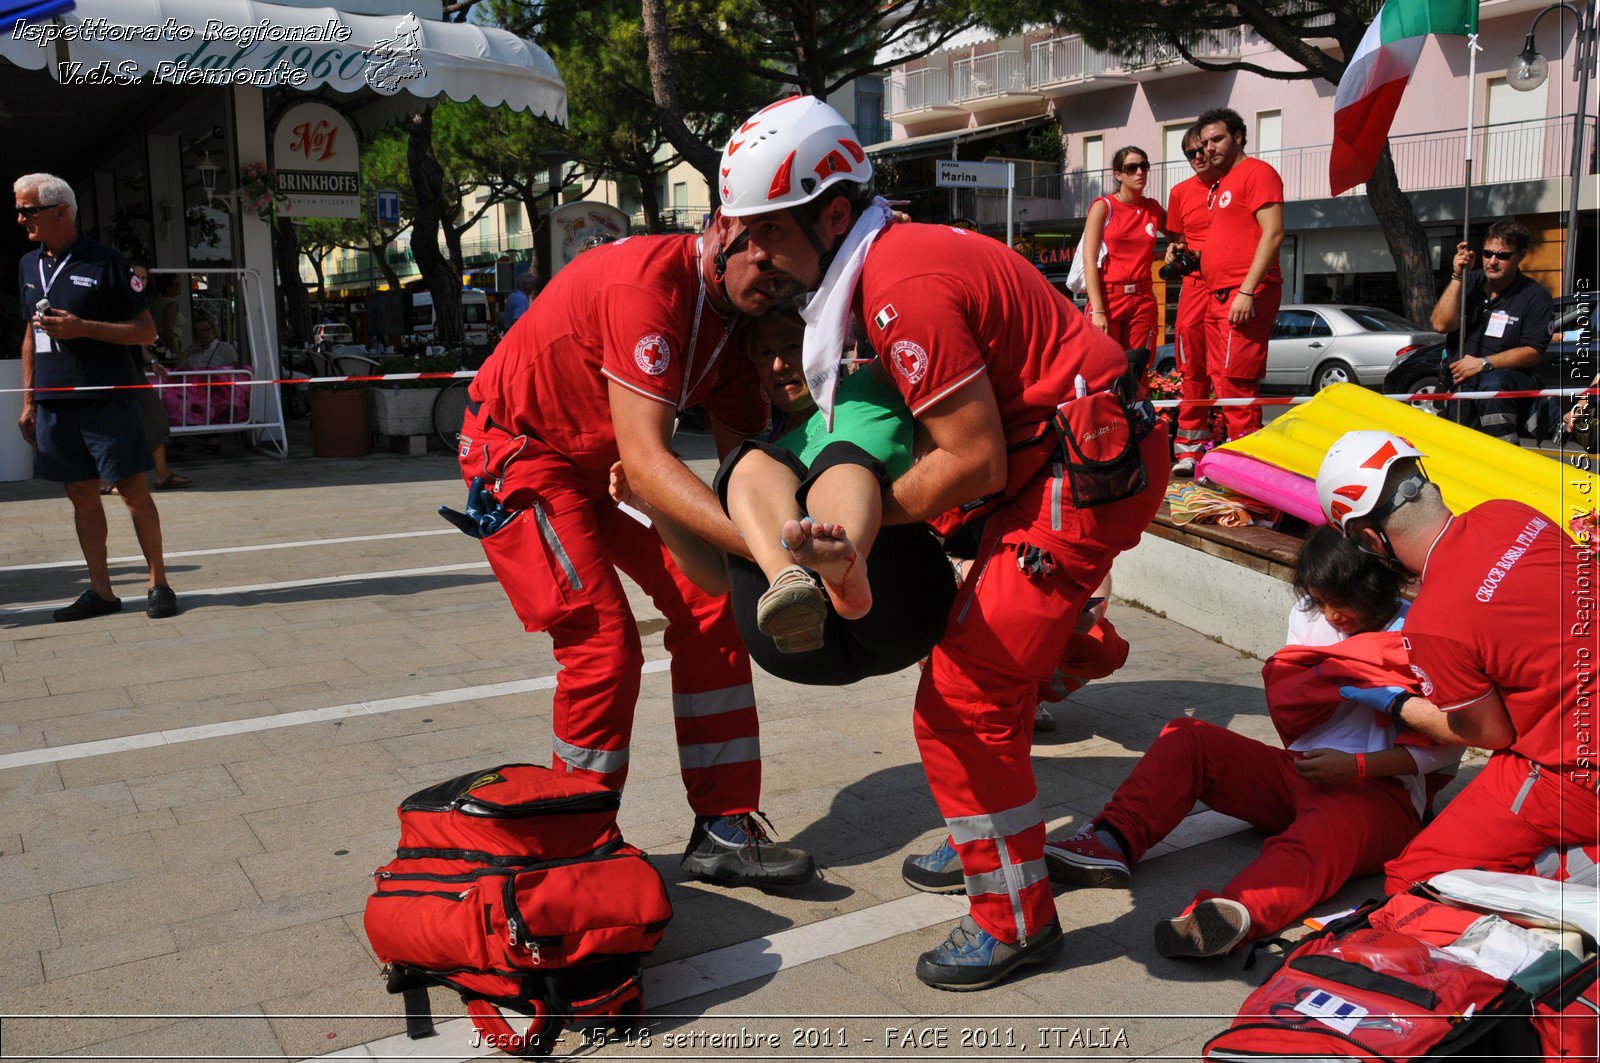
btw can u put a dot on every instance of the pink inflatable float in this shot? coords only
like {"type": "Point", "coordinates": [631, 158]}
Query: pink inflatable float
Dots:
{"type": "Point", "coordinates": [1296, 495]}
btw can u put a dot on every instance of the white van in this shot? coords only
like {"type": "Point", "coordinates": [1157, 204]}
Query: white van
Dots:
{"type": "Point", "coordinates": [474, 315]}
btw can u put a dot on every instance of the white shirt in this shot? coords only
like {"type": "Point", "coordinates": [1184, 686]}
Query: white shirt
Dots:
{"type": "Point", "coordinates": [1355, 728]}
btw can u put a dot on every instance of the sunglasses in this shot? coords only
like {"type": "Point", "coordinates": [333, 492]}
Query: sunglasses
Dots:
{"type": "Point", "coordinates": [1136, 167]}
{"type": "Point", "coordinates": [1194, 153]}
{"type": "Point", "coordinates": [1500, 256]}
{"type": "Point", "coordinates": [28, 212]}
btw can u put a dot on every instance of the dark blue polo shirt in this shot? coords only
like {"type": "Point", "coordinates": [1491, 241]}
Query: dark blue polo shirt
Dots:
{"type": "Point", "coordinates": [1527, 314]}
{"type": "Point", "coordinates": [94, 283]}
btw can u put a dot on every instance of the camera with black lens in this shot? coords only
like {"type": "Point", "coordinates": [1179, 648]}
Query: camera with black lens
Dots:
{"type": "Point", "coordinates": [1184, 262]}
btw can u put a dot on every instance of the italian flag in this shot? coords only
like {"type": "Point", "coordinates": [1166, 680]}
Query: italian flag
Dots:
{"type": "Point", "coordinates": [1376, 77]}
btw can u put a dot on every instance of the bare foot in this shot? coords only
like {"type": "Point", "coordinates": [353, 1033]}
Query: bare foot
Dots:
{"type": "Point", "coordinates": [827, 550]}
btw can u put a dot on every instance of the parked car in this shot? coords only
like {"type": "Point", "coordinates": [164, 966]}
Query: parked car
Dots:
{"type": "Point", "coordinates": [330, 334]}
{"type": "Point", "coordinates": [1314, 345]}
{"type": "Point", "coordinates": [1569, 361]}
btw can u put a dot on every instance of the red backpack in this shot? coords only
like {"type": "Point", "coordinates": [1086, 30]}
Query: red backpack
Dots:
{"type": "Point", "coordinates": [1370, 987]}
{"type": "Point", "coordinates": [514, 887]}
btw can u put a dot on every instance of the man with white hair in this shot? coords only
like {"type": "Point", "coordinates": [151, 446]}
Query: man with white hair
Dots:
{"type": "Point", "coordinates": [1501, 639]}
{"type": "Point", "coordinates": [87, 323]}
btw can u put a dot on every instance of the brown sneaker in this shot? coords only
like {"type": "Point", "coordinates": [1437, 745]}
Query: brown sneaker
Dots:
{"type": "Point", "coordinates": [792, 611]}
{"type": "Point", "coordinates": [1212, 927]}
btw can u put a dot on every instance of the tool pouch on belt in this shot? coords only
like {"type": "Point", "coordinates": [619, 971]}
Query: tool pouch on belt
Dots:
{"type": "Point", "coordinates": [522, 545]}
{"type": "Point", "coordinates": [1099, 438]}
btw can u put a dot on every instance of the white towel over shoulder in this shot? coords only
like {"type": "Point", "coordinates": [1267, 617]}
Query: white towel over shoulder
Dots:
{"type": "Point", "coordinates": [827, 315]}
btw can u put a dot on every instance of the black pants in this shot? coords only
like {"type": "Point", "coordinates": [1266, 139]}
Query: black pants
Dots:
{"type": "Point", "coordinates": [912, 591]}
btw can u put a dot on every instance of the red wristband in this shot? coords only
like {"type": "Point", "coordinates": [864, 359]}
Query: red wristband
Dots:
{"type": "Point", "coordinates": [1361, 765]}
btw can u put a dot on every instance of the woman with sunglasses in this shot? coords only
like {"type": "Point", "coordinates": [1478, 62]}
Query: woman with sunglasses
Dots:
{"type": "Point", "coordinates": [1122, 299]}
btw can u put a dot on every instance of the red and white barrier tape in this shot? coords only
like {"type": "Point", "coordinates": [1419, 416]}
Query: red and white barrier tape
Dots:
{"type": "Point", "coordinates": [468, 374]}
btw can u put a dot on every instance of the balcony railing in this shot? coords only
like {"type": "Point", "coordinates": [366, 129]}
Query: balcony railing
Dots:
{"type": "Point", "coordinates": [918, 90]}
{"type": "Point", "coordinates": [1218, 44]}
{"type": "Point", "coordinates": [1535, 150]}
{"type": "Point", "coordinates": [996, 74]}
{"type": "Point", "coordinates": [1064, 60]}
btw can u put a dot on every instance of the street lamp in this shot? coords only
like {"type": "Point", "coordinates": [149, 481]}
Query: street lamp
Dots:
{"type": "Point", "coordinates": [1530, 71]}
{"type": "Point", "coordinates": [208, 177]}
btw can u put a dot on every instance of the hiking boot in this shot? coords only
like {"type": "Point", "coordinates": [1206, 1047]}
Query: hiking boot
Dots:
{"type": "Point", "coordinates": [935, 872]}
{"type": "Point", "coordinates": [162, 602]}
{"type": "Point", "coordinates": [972, 958]}
{"type": "Point", "coordinates": [792, 612]}
{"type": "Point", "coordinates": [1183, 469]}
{"type": "Point", "coordinates": [89, 604]}
{"type": "Point", "coordinates": [1084, 860]}
{"type": "Point", "coordinates": [1044, 721]}
{"type": "Point", "coordinates": [1212, 927]}
{"type": "Point", "coordinates": [736, 850]}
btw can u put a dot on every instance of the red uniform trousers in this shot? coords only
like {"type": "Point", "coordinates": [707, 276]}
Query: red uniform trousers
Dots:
{"type": "Point", "coordinates": [1090, 655]}
{"type": "Point", "coordinates": [1320, 836]}
{"type": "Point", "coordinates": [1131, 316]}
{"type": "Point", "coordinates": [974, 709]}
{"type": "Point", "coordinates": [562, 576]}
{"type": "Point", "coordinates": [1237, 357]}
{"type": "Point", "coordinates": [1194, 422]}
{"type": "Point", "coordinates": [1500, 821]}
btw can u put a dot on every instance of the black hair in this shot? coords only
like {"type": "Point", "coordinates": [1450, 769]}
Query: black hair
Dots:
{"type": "Point", "coordinates": [1334, 570]}
{"type": "Point", "coordinates": [1191, 136]}
{"type": "Point", "coordinates": [1512, 233]}
{"type": "Point", "coordinates": [1229, 118]}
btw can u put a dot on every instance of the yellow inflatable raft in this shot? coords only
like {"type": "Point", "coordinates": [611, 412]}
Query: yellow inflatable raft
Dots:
{"type": "Point", "coordinates": [1468, 466]}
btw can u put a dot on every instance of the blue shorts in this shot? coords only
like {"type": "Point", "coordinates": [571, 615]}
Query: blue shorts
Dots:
{"type": "Point", "coordinates": [90, 439]}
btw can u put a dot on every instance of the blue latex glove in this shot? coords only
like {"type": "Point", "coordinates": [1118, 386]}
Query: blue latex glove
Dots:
{"type": "Point", "coordinates": [1379, 699]}
{"type": "Point", "coordinates": [484, 516]}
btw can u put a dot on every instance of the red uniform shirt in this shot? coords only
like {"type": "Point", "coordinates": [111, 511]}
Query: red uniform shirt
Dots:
{"type": "Point", "coordinates": [628, 312]}
{"type": "Point", "coordinates": [1130, 239]}
{"type": "Point", "coordinates": [942, 305]}
{"type": "Point", "coordinates": [1231, 241]}
{"type": "Point", "coordinates": [1188, 217]}
{"type": "Point", "coordinates": [1502, 607]}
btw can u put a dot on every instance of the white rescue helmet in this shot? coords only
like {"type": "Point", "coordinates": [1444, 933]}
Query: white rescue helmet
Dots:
{"type": "Point", "coordinates": [1351, 478]}
{"type": "Point", "coordinates": [787, 154]}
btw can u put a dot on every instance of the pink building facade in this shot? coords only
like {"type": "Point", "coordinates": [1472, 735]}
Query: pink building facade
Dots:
{"type": "Point", "coordinates": [948, 104]}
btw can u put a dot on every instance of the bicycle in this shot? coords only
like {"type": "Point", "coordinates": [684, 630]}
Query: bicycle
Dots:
{"type": "Point", "coordinates": [449, 409]}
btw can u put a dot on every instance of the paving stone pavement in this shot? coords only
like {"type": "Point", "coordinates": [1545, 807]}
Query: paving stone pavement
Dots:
{"type": "Point", "coordinates": [203, 898]}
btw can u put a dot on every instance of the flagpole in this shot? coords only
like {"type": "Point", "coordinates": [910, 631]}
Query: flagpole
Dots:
{"type": "Point", "coordinates": [1473, 49]}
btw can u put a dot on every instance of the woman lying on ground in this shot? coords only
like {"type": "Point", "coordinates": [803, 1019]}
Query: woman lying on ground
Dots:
{"type": "Point", "coordinates": [1340, 799]}
{"type": "Point", "coordinates": [806, 500]}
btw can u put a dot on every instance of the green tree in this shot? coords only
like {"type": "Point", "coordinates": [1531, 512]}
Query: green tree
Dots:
{"type": "Point", "coordinates": [798, 46]}
{"type": "Point", "coordinates": [1299, 29]}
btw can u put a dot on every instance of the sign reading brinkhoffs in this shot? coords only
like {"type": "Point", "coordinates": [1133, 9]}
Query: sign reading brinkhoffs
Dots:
{"type": "Point", "coordinates": [317, 154]}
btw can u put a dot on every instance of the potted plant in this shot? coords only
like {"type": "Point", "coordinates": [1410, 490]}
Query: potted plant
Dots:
{"type": "Point", "coordinates": [405, 408]}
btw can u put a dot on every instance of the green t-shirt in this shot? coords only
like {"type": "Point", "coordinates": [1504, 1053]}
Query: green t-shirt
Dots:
{"type": "Point", "coordinates": [866, 412]}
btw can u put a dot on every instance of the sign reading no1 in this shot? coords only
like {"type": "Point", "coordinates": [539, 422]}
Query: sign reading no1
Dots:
{"type": "Point", "coordinates": [994, 175]}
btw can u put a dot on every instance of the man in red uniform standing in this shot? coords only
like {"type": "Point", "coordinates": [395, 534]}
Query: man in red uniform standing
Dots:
{"type": "Point", "coordinates": [622, 339]}
{"type": "Point", "coordinates": [984, 350]}
{"type": "Point", "coordinates": [1501, 638]}
{"type": "Point", "coordinates": [1240, 266]}
{"type": "Point", "coordinates": [1188, 220]}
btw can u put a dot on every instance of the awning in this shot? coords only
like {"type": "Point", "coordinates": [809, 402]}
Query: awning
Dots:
{"type": "Point", "coordinates": [939, 143]}
{"type": "Point", "coordinates": [229, 42]}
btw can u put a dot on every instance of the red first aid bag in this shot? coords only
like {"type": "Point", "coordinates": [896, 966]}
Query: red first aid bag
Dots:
{"type": "Point", "coordinates": [513, 887]}
{"type": "Point", "coordinates": [1359, 991]}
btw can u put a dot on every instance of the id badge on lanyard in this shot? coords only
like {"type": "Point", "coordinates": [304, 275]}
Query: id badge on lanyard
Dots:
{"type": "Point", "coordinates": [41, 338]}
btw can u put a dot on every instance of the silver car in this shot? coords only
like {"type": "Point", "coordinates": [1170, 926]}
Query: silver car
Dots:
{"type": "Point", "coordinates": [1314, 345]}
